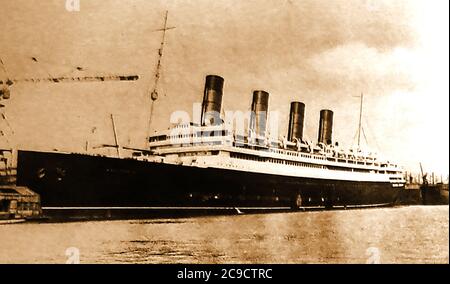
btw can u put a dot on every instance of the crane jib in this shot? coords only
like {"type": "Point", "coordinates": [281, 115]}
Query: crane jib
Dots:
{"type": "Point", "coordinates": [74, 79]}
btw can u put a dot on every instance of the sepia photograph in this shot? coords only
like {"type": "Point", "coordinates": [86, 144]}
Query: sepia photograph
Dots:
{"type": "Point", "coordinates": [244, 132]}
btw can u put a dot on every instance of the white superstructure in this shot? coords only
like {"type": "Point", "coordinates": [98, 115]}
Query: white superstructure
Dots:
{"type": "Point", "coordinates": [218, 147]}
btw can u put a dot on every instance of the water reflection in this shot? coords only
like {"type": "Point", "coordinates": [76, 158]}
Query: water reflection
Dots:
{"type": "Point", "coordinates": [401, 235]}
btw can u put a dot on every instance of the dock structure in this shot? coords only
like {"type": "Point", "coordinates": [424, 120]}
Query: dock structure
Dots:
{"type": "Point", "coordinates": [18, 202]}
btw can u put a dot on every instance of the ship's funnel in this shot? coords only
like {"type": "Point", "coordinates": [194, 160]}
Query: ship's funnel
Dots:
{"type": "Point", "coordinates": [260, 105]}
{"type": "Point", "coordinates": [296, 118]}
{"type": "Point", "coordinates": [325, 126]}
{"type": "Point", "coordinates": [212, 100]}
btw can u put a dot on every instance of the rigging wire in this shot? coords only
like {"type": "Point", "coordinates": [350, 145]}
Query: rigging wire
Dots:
{"type": "Point", "coordinates": [4, 67]}
{"type": "Point", "coordinates": [371, 135]}
{"type": "Point", "coordinates": [71, 71]}
{"type": "Point", "coordinates": [364, 135]}
{"type": "Point", "coordinates": [44, 64]}
{"type": "Point", "coordinates": [154, 93]}
{"type": "Point", "coordinates": [3, 134]}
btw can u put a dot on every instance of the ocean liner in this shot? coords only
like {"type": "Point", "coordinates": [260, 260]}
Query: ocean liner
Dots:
{"type": "Point", "coordinates": [210, 164]}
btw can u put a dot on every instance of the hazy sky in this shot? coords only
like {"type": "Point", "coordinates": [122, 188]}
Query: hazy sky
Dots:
{"type": "Point", "coordinates": [320, 52]}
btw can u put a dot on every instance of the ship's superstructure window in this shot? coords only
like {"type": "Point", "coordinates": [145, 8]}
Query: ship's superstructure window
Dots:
{"type": "Point", "coordinates": [158, 138]}
{"type": "Point", "coordinates": [305, 165]}
{"type": "Point", "coordinates": [247, 157]}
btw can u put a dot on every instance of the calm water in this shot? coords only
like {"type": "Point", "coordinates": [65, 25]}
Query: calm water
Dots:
{"type": "Point", "coordinates": [397, 235]}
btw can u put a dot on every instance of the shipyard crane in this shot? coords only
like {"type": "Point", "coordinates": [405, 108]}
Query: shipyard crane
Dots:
{"type": "Point", "coordinates": [6, 84]}
{"type": "Point", "coordinates": [424, 175]}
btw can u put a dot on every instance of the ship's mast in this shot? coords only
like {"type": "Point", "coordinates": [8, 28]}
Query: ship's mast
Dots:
{"type": "Point", "coordinates": [154, 93]}
{"type": "Point", "coordinates": [116, 140]}
{"type": "Point", "coordinates": [360, 120]}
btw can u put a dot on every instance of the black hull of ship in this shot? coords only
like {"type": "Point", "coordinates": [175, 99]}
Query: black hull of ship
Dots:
{"type": "Point", "coordinates": [434, 194]}
{"type": "Point", "coordinates": [84, 182]}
